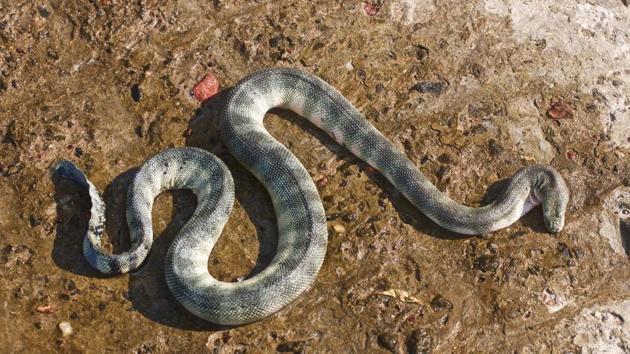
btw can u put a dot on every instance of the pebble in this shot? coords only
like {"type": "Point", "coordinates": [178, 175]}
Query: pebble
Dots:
{"type": "Point", "coordinates": [422, 52]}
{"type": "Point", "coordinates": [136, 94]}
{"type": "Point", "coordinates": [291, 347]}
{"type": "Point", "coordinates": [350, 217]}
{"type": "Point", "coordinates": [349, 66]}
{"type": "Point", "coordinates": [486, 263]}
{"type": "Point", "coordinates": [66, 329]}
{"type": "Point", "coordinates": [388, 341]}
{"type": "Point", "coordinates": [419, 342]}
{"type": "Point", "coordinates": [440, 303]}
{"type": "Point", "coordinates": [206, 88]}
{"type": "Point", "coordinates": [339, 228]}
{"type": "Point", "coordinates": [429, 87]}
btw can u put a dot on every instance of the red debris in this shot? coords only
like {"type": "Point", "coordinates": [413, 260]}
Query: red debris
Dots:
{"type": "Point", "coordinates": [371, 9]}
{"type": "Point", "coordinates": [560, 110]}
{"type": "Point", "coordinates": [571, 155]}
{"type": "Point", "coordinates": [188, 132]}
{"type": "Point", "coordinates": [206, 88]}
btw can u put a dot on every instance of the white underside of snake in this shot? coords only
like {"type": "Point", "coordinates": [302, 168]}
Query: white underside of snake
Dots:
{"type": "Point", "coordinates": [300, 214]}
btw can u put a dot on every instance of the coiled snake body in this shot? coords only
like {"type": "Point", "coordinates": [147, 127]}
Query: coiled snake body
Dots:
{"type": "Point", "coordinates": [300, 214]}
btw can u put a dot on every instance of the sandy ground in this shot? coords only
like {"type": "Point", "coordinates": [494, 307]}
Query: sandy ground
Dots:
{"type": "Point", "coordinates": [471, 91]}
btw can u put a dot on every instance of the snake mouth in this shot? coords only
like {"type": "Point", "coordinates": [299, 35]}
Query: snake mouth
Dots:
{"type": "Point", "coordinates": [554, 225]}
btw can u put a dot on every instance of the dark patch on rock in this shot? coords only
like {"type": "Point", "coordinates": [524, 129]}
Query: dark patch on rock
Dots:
{"type": "Point", "coordinates": [486, 263]}
{"type": "Point", "coordinates": [419, 342]}
{"type": "Point", "coordinates": [388, 341]}
{"type": "Point", "coordinates": [291, 347]}
{"type": "Point", "coordinates": [429, 87]}
{"type": "Point", "coordinates": [136, 94]}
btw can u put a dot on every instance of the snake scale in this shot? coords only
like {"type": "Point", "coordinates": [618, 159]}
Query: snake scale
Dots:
{"type": "Point", "coordinates": [300, 215]}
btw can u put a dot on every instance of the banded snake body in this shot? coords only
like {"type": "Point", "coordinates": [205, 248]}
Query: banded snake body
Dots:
{"type": "Point", "coordinates": [300, 215]}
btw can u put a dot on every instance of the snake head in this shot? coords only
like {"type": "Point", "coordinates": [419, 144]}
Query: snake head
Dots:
{"type": "Point", "coordinates": [555, 197]}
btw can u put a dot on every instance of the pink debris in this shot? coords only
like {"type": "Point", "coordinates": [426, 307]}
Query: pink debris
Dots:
{"type": "Point", "coordinates": [370, 8]}
{"type": "Point", "coordinates": [45, 309]}
{"type": "Point", "coordinates": [560, 110]}
{"type": "Point", "coordinates": [206, 88]}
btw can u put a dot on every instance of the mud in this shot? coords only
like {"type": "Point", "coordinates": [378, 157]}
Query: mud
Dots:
{"type": "Point", "coordinates": [471, 91]}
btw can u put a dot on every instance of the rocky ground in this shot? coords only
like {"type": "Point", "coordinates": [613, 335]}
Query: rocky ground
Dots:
{"type": "Point", "coordinates": [471, 91]}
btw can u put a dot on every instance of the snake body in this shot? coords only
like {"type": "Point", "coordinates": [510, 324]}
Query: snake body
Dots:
{"type": "Point", "coordinates": [300, 214]}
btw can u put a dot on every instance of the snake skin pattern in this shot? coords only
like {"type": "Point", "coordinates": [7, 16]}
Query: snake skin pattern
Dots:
{"type": "Point", "coordinates": [300, 214]}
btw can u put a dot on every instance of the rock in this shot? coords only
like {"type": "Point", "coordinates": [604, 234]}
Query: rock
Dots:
{"type": "Point", "coordinates": [428, 87]}
{"type": "Point", "coordinates": [66, 329]}
{"type": "Point", "coordinates": [486, 263]}
{"type": "Point", "coordinates": [291, 347]}
{"type": "Point", "coordinates": [136, 94]}
{"type": "Point", "coordinates": [422, 52]}
{"type": "Point", "coordinates": [350, 217]}
{"type": "Point", "coordinates": [616, 209]}
{"type": "Point", "coordinates": [602, 328]}
{"type": "Point", "coordinates": [206, 88]}
{"type": "Point", "coordinates": [419, 342]}
{"type": "Point", "coordinates": [439, 303]}
{"type": "Point", "coordinates": [388, 341]}
{"type": "Point", "coordinates": [339, 228]}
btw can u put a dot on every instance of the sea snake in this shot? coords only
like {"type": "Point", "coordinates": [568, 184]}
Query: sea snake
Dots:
{"type": "Point", "coordinates": [300, 215]}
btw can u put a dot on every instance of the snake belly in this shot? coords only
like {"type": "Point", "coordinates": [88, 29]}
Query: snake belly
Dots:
{"type": "Point", "coordinates": [300, 215]}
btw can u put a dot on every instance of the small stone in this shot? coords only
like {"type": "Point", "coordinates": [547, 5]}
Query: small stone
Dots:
{"type": "Point", "coordinates": [486, 263]}
{"type": "Point", "coordinates": [349, 66]}
{"type": "Point", "coordinates": [43, 12]}
{"type": "Point", "coordinates": [439, 303]}
{"type": "Point", "coordinates": [66, 329]}
{"type": "Point", "coordinates": [419, 342]}
{"type": "Point", "coordinates": [422, 52]}
{"type": "Point", "coordinates": [291, 347]}
{"type": "Point", "coordinates": [206, 88]}
{"type": "Point", "coordinates": [34, 220]}
{"type": "Point", "coordinates": [350, 217]}
{"type": "Point", "coordinates": [274, 41]}
{"type": "Point", "coordinates": [429, 87]}
{"type": "Point", "coordinates": [136, 94]}
{"type": "Point", "coordinates": [322, 182]}
{"type": "Point", "coordinates": [339, 228]}
{"type": "Point", "coordinates": [388, 341]}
